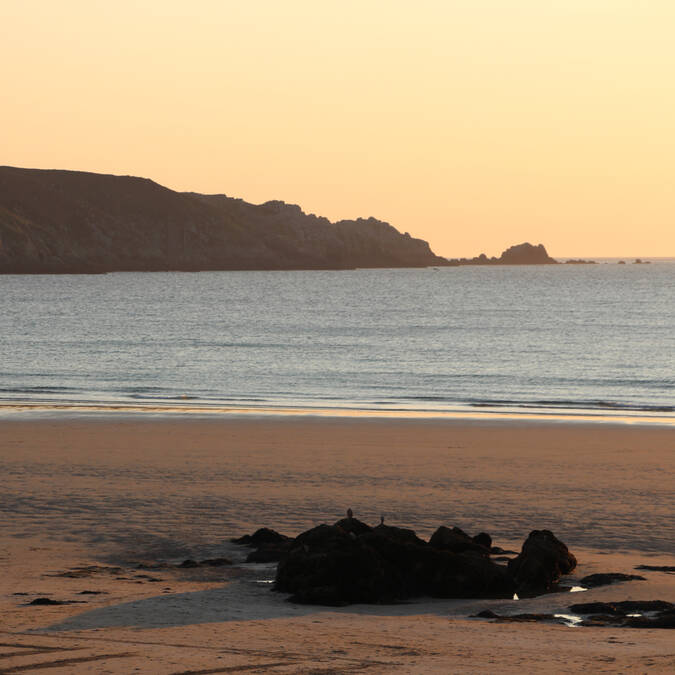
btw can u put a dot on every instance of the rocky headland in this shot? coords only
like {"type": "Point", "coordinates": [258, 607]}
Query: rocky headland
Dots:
{"type": "Point", "coordinates": [54, 221]}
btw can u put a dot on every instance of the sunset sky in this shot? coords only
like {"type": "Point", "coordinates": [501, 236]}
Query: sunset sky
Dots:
{"type": "Point", "coordinates": [474, 124]}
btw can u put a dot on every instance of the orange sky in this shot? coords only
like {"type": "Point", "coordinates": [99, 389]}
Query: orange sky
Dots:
{"type": "Point", "coordinates": [474, 124]}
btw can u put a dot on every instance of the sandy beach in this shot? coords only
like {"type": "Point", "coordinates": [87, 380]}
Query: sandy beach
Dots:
{"type": "Point", "coordinates": [91, 502]}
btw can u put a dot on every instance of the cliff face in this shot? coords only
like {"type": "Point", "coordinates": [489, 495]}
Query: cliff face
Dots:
{"type": "Point", "coordinates": [70, 222]}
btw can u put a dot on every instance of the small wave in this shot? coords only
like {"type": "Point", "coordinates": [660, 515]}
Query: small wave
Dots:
{"type": "Point", "coordinates": [38, 390]}
{"type": "Point", "coordinates": [573, 404]}
{"type": "Point", "coordinates": [148, 397]}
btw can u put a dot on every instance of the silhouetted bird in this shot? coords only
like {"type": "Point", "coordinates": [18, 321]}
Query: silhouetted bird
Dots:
{"type": "Point", "coordinates": [350, 513]}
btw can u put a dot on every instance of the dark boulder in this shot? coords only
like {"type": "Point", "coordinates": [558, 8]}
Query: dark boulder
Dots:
{"type": "Point", "coordinates": [456, 540]}
{"type": "Point", "coordinates": [627, 614]}
{"type": "Point", "coordinates": [269, 544]}
{"type": "Point", "coordinates": [400, 534]}
{"type": "Point", "coordinates": [329, 566]}
{"type": "Point", "coordinates": [268, 554]}
{"type": "Point", "coordinates": [467, 575]}
{"type": "Point", "coordinates": [215, 562]}
{"type": "Point", "coordinates": [540, 564]}
{"type": "Point", "coordinates": [633, 606]}
{"type": "Point", "coordinates": [661, 620]}
{"type": "Point", "coordinates": [483, 539]}
{"type": "Point", "coordinates": [47, 601]}
{"type": "Point", "coordinates": [188, 564]}
{"type": "Point", "coordinates": [622, 608]}
{"type": "Point", "coordinates": [656, 568]}
{"type": "Point", "coordinates": [530, 617]}
{"type": "Point", "coordinates": [354, 525]}
{"type": "Point", "coordinates": [209, 562]}
{"type": "Point", "coordinates": [606, 578]}
{"type": "Point", "coordinates": [485, 614]}
{"type": "Point", "coordinates": [261, 537]}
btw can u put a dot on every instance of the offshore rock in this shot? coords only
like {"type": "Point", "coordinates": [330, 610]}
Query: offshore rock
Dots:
{"type": "Point", "coordinates": [520, 254]}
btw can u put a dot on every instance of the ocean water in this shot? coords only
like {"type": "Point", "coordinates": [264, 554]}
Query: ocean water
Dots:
{"type": "Point", "coordinates": [596, 339]}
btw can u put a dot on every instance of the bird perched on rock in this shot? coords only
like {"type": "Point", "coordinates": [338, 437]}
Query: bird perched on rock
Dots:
{"type": "Point", "coordinates": [350, 513]}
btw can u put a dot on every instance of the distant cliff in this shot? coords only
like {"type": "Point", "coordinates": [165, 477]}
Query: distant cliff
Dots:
{"type": "Point", "coordinates": [521, 254]}
{"type": "Point", "coordinates": [69, 222]}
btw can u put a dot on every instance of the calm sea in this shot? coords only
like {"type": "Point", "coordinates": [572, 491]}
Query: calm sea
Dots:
{"type": "Point", "coordinates": [590, 339]}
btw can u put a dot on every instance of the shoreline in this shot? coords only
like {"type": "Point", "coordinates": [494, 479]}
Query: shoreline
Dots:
{"type": "Point", "coordinates": [67, 410]}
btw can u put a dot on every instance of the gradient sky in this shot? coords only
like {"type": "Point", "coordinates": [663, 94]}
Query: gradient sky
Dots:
{"type": "Point", "coordinates": [474, 124]}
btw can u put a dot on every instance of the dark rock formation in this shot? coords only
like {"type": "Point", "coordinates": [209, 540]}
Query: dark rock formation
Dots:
{"type": "Point", "coordinates": [268, 553]}
{"type": "Point", "coordinates": [263, 536]}
{"type": "Point", "coordinates": [400, 534]}
{"type": "Point", "coordinates": [540, 564]}
{"type": "Point", "coordinates": [210, 562]}
{"type": "Point", "coordinates": [353, 525]}
{"type": "Point", "coordinates": [188, 564]}
{"type": "Point", "coordinates": [76, 222]}
{"type": "Point", "coordinates": [457, 541]}
{"type": "Point", "coordinates": [519, 618]}
{"type": "Point", "coordinates": [483, 539]}
{"type": "Point", "coordinates": [520, 254]}
{"type": "Point", "coordinates": [656, 568]}
{"type": "Point", "coordinates": [269, 544]}
{"type": "Point", "coordinates": [659, 620]}
{"type": "Point", "coordinates": [47, 601]}
{"type": "Point", "coordinates": [334, 565]}
{"type": "Point", "coordinates": [606, 578]}
{"type": "Point", "coordinates": [215, 562]}
{"type": "Point", "coordinates": [622, 608]}
{"type": "Point", "coordinates": [628, 614]}
{"type": "Point", "coordinates": [526, 254]}
{"type": "Point", "coordinates": [350, 562]}
{"type": "Point", "coordinates": [616, 615]}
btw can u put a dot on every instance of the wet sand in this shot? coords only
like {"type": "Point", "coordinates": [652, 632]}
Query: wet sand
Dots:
{"type": "Point", "coordinates": [112, 491]}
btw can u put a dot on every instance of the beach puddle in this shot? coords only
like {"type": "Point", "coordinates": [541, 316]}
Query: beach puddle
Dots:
{"type": "Point", "coordinates": [570, 620]}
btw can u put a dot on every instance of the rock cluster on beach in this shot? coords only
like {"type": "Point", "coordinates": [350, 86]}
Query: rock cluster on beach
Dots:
{"type": "Point", "coordinates": [351, 562]}
{"type": "Point", "coordinates": [625, 614]}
